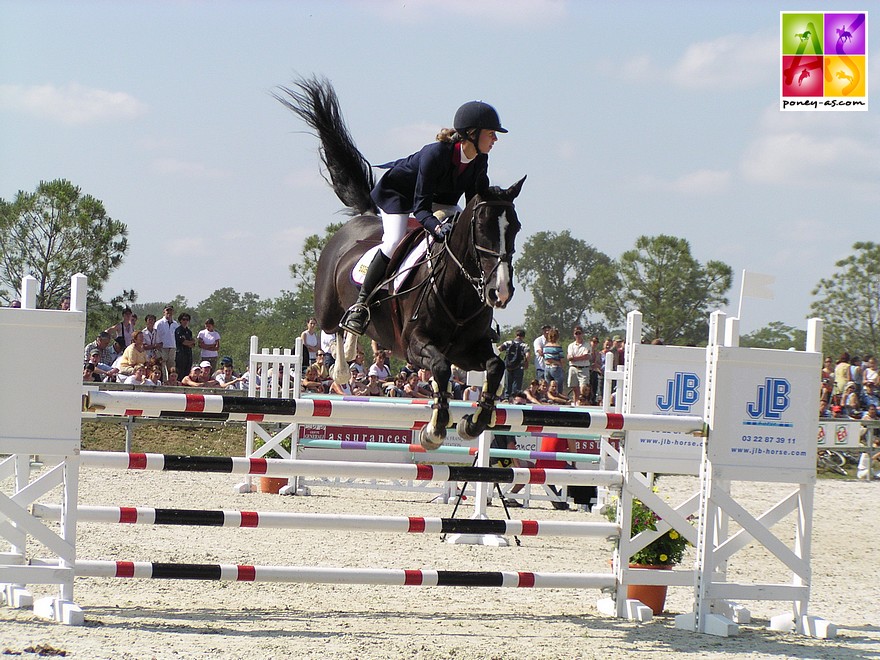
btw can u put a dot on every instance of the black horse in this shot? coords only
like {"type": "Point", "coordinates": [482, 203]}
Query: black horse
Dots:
{"type": "Point", "coordinates": [444, 314]}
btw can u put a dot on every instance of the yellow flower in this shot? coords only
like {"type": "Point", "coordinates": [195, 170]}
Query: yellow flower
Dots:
{"type": "Point", "coordinates": [673, 534]}
{"type": "Point", "coordinates": [663, 557]}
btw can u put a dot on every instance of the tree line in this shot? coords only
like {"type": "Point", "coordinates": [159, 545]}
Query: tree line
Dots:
{"type": "Point", "coordinates": [57, 230]}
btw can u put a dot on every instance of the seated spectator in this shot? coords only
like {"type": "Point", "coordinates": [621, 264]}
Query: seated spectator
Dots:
{"type": "Point", "coordinates": [139, 377]}
{"type": "Point", "coordinates": [199, 377]}
{"type": "Point", "coordinates": [414, 388]}
{"type": "Point", "coordinates": [106, 355]}
{"type": "Point", "coordinates": [373, 386]}
{"type": "Point", "coordinates": [472, 393]}
{"type": "Point", "coordinates": [358, 365]}
{"type": "Point", "coordinates": [824, 410]}
{"type": "Point", "coordinates": [89, 375]}
{"type": "Point", "coordinates": [172, 380]}
{"type": "Point", "coordinates": [869, 395]}
{"type": "Point", "coordinates": [850, 400]}
{"type": "Point", "coordinates": [134, 355]}
{"type": "Point", "coordinates": [246, 378]}
{"type": "Point", "coordinates": [346, 389]}
{"type": "Point", "coordinates": [227, 379]}
{"type": "Point", "coordinates": [156, 374]}
{"type": "Point", "coordinates": [379, 368]}
{"type": "Point", "coordinates": [102, 371]}
{"type": "Point", "coordinates": [398, 386]}
{"type": "Point", "coordinates": [312, 381]}
{"type": "Point", "coordinates": [193, 378]}
{"type": "Point", "coordinates": [533, 392]}
{"type": "Point", "coordinates": [322, 368]}
{"type": "Point", "coordinates": [553, 394]}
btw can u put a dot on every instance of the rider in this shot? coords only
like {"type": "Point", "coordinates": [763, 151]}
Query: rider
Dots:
{"type": "Point", "coordinates": [428, 184]}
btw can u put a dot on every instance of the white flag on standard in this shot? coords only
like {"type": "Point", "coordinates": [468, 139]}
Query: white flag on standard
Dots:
{"type": "Point", "coordinates": [758, 285]}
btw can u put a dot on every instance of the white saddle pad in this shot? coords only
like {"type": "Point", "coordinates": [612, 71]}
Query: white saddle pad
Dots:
{"type": "Point", "coordinates": [403, 271]}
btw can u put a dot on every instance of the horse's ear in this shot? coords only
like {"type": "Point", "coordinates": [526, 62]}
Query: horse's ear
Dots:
{"type": "Point", "coordinates": [513, 192]}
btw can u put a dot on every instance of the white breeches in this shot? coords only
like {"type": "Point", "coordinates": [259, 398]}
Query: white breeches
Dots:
{"type": "Point", "coordinates": [394, 226]}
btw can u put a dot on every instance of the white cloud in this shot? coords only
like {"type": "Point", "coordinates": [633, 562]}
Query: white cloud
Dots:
{"type": "Point", "coordinates": [699, 182]}
{"type": "Point", "coordinates": [725, 63]}
{"type": "Point", "coordinates": [187, 247]}
{"type": "Point", "coordinates": [523, 12]}
{"type": "Point", "coordinates": [731, 61]}
{"type": "Point", "coordinates": [188, 169]}
{"type": "Point", "coordinates": [71, 103]}
{"type": "Point", "coordinates": [809, 148]}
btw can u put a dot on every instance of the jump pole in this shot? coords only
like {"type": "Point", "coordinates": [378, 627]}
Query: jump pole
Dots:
{"type": "Point", "coordinates": [339, 522]}
{"type": "Point", "coordinates": [322, 575]}
{"type": "Point", "coordinates": [314, 411]}
{"type": "Point", "coordinates": [278, 467]}
{"type": "Point", "coordinates": [455, 451]}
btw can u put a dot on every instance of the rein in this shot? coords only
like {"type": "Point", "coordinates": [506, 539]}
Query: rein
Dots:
{"type": "Point", "coordinates": [474, 250]}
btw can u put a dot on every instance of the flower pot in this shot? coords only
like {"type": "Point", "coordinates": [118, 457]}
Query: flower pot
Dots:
{"type": "Point", "coordinates": [652, 595]}
{"type": "Point", "coordinates": [272, 484]}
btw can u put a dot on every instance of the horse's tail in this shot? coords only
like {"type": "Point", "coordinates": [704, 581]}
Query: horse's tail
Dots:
{"type": "Point", "coordinates": [314, 101]}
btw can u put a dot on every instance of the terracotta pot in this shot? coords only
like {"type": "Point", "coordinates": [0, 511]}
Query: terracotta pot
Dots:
{"type": "Point", "coordinates": [652, 595]}
{"type": "Point", "coordinates": [272, 484]}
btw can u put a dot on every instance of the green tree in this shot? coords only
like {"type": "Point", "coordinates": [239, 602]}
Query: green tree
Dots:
{"type": "Point", "coordinates": [775, 335]}
{"type": "Point", "coordinates": [557, 270]}
{"type": "Point", "coordinates": [53, 233]}
{"type": "Point", "coordinates": [303, 271]}
{"type": "Point", "coordinates": [672, 290]}
{"type": "Point", "coordinates": [849, 302]}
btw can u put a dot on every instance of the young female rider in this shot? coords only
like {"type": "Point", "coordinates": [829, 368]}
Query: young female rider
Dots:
{"type": "Point", "coordinates": [431, 180]}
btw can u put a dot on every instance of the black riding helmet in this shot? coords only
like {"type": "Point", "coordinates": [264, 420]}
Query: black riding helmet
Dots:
{"type": "Point", "coordinates": [478, 116]}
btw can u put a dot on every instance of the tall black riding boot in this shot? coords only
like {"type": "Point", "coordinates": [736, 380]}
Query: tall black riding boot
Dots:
{"type": "Point", "coordinates": [357, 318]}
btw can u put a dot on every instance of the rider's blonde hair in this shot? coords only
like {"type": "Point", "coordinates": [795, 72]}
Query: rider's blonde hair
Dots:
{"type": "Point", "coordinates": [448, 135]}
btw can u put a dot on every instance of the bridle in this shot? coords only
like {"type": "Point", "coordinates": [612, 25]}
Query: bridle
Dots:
{"type": "Point", "coordinates": [475, 250]}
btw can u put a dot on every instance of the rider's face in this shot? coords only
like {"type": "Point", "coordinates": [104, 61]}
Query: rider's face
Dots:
{"type": "Point", "coordinates": [487, 141]}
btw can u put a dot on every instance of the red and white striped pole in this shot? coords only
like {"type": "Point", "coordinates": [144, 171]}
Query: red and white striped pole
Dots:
{"type": "Point", "coordinates": [322, 575]}
{"type": "Point", "coordinates": [278, 467]}
{"type": "Point", "coordinates": [515, 419]}
{"type": "Point", "coordinates": [283, 520]}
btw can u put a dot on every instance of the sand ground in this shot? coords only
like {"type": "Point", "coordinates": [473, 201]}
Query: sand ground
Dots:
{"type": "Point", "coordinates": [189, 619]}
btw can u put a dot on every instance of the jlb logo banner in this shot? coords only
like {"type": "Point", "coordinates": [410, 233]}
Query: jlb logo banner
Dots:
{"type": "Point", "coordinates": [823, 61]}
{"type": "Point", "coordinates": [682, 393]}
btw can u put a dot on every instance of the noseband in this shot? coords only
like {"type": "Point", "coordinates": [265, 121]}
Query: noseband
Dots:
{"type": "Point", "coordinates": [474, 252]}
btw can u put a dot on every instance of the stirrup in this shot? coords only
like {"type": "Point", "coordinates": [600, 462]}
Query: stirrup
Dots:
{"type": "Point", "coordinates": [356, 319]}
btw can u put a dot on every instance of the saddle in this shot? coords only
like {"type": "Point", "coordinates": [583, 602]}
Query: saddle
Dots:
{"type": "Point", "coordinates": [410, 250]}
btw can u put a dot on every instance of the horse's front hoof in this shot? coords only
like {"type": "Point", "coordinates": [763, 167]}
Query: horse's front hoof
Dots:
{"type": "Point", "coordinates": [430, 440]}
{"type": "Point", "coordinates": [467, 429]}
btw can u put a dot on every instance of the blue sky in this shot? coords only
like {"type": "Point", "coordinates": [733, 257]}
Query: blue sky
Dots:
{"type": "Point", "coordinates": [630, 118]}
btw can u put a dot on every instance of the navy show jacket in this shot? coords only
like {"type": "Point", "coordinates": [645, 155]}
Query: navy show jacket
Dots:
{"type": "Point", "coordinates": [413, 184]}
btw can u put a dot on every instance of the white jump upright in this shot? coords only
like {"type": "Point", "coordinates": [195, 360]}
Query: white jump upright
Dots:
{"type": "Point", "coordinates": [761, 412]}
{"type": "Point", "coordinates": [28, 428]}
{"type": "Point", "coordinates": [663, 381]}
{"type": "Point", "coordinates": [260, 362]}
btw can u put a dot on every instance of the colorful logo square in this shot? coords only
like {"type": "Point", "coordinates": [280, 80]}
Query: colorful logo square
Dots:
{"type": "Point", "coordinates": [823, 60]}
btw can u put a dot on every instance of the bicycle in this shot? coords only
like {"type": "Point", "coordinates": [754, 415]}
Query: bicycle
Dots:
{"type": "Point", "coordinates": [831, 461]}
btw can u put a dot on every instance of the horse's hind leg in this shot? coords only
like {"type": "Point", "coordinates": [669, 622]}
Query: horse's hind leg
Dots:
{"type": "Point", "coordinates": [471, 426]}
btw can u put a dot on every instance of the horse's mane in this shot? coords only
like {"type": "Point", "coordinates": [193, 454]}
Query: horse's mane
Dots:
{"type": "Point", "coordinates": [315, 102]}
